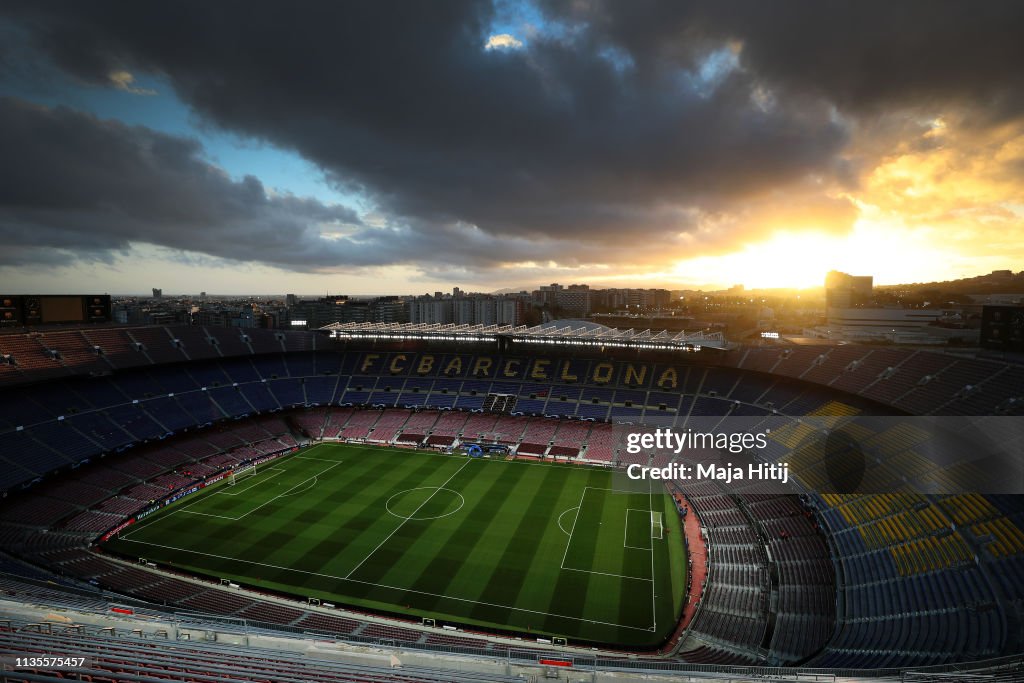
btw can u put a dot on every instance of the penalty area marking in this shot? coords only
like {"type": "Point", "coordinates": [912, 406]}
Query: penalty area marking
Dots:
{"type": "Point", "coordinates": [625, 533]}
{"type": "Point", "coordinates": [563, 515]}
{"type": "Point", "coordinates": [280, 495]}
{"type": "Point", "coordinates": [314, 482]}
{"type": "Point", "coordinates": [573, 529]}
{"type": "Point", "coordinates": [413, 517]}
{"type": "Point", "coordinates": [276, 471]}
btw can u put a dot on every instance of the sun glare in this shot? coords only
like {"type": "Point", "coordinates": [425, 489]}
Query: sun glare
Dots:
{"type": "Point", "coordinates": [801, 259]}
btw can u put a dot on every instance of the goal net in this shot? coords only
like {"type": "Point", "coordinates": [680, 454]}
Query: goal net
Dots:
{"type": "Point", "coordinates": [242, 473]}
{"type": "Point", "coordinates": [657, 525]}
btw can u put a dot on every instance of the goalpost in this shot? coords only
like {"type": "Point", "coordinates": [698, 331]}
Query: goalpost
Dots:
{"type": "Point", "coordinates": [657, 525]}
{"type": "Point", "coordinates": [248, 470]}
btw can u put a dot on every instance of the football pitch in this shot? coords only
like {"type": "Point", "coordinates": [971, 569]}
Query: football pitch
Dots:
{"type": "Point", "coordinates": [542, 549]}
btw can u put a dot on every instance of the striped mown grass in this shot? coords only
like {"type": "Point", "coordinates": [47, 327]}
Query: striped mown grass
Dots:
{"type": "Point", "coordinates": [554, 550]}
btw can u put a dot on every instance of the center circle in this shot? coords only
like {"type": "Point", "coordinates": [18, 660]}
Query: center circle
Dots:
{"type": "Point", "coordinates": [425, 502]}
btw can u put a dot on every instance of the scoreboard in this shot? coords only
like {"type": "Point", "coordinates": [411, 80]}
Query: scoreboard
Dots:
{"type": "Point", "coordinates": [1002, 328]}
{"type": "Point", "coordinates": [46, 309]}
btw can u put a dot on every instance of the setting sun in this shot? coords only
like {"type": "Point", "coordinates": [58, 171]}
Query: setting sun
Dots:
{"type": "Point", "coordinates": [800, 260]}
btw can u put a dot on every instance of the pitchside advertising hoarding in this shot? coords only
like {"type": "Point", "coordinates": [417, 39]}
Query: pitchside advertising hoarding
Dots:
{"type": "Point", "coordinates": [826, 455]}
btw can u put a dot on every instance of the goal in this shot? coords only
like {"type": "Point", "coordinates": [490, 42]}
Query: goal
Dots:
{"type": "Point", "coordinates": [657, 525]}
{"type": "Point", "coordinates": [247, 471]}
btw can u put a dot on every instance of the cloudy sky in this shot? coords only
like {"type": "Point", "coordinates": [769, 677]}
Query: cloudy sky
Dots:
{"type": "Point", "coordinates": [393, 147]}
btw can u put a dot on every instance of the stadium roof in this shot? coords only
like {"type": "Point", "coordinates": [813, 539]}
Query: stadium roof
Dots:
{"type": "Point", "coordinates": [559, 332]}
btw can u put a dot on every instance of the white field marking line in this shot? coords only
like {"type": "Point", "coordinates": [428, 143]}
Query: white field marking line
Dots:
{"type": "Point", "coordinates": [276, 470]}
{"type": "Point", "coordinates": [625, 533]}
{"type": "Point", "coordinates": [621, 576]}
{"type": "Point", "coordinates": [387, 504]}
{"type": "Point", "coordinates": [388, 538]}
{"type": "Point", "coordinates": [654, 602]}
{"type": "Point", "coordinates": [204, 514]}
{"type": "Point", "coordinates": [603, 488]}
{"type": "Point", "coordinates": [397, 588]}
{"type": "Point", "coordinates": [563, 515]}
{"type": "Point", "coordinates": [324, 471]}
{"type": "Point", "coordinates": [197, 498]}
{"type": "Point", "coordinates": [579, 511]}
{"type": "Point", "coordinates": [305, 457]}
{"type": "Point", "coordinates": [289, 492]}
{"type": "Point", "coordinates": [592, 571]}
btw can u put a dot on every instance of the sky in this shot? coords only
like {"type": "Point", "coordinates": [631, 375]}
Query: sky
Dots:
{"type": "Point", "coordinates": [396, 147]}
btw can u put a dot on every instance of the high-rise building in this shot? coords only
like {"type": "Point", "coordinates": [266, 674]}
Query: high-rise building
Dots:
{"type": "Point", "coordinates": [485, 310]}
{"type": "Point", "coordinates": [576, 299]}
{"type": "Point", "coordinates": [431, 311]}
{"type": "Point", "coordinates": [464, 311]}
{"type": "Point", "coordinates": [342, 309]}
{"type": "Point", "coordinates": [632, 298]}
{"type": "Point", "coordinates": [158, 293]}
{"type": "Point", "coordinates": [547, 295]}
{"type": "Point", "coordinates": [467, 309]}
{"type": "Point", "coordinates": [847, 291]}
{"type": "Point", "coordinates": [508, 311]}
{"type": "Point", "coordinates": [390, 309]}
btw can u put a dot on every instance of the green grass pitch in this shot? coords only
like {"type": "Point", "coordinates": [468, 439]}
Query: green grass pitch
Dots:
{"type": "Point", "coordinates": [552, 550]}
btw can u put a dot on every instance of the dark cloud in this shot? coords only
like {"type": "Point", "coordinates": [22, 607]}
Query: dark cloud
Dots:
{"type": "Point", "coordinates": [859, 55]}
{"type": "Point", "coordinates": [74, 186]}
{"type": "Point", "coordinates": [71, 182]}
{"type": "Point", "coordinates": [600, 144]}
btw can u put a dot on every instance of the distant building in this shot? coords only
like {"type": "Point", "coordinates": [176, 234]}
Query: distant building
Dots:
{"type": "Point", "coordinates": [431, 311]}
{"type": "Point", "coordinates": [547, 295]}
{"type": "Point", "coordinates": [620, 299]}
{"type": "Point", "coordinates": [884, 319]}
{"type": "Point", "coordinates": [466, 309]}
{"type": "Point", "coordinates": [463, 311]}
{"type": "Point", "coordinates": [847, 291]}
{"type": "Point", "coordinates": [508, 311]}
{"type": "Point", "coordinates": [894, 325]}
{"type": "Point", "coordinates": [343, 309]}
{"type": "Point", "coordinates": [158, 293]}
{"type": "Point", "coordinates": [389, 309]}
{"type": "Point", "coordinates": [577, 300]}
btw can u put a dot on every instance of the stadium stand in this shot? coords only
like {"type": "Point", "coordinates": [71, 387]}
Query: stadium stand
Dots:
{"type": "Point", "coordinates": [120, 655]}
{"type": "Point", "coordinates": [834, 581]}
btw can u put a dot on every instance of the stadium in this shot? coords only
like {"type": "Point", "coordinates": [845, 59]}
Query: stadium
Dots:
{"type": "Point", "coordinates": [415, 502]}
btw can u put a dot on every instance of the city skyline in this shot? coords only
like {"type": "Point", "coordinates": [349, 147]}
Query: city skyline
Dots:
{"type": "Point", "coordinates": [495, 145]}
